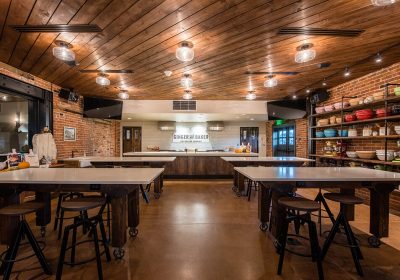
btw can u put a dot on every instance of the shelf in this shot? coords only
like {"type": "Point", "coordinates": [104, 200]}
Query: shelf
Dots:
{"type": "Point", "coordinates": [357, 137]}
{"type": "Point", "coordinates": [372, 161]}
{"type": "Point", "coordinates": [389, 118]}
{"type": "Point", "coordinates": [357, 107]}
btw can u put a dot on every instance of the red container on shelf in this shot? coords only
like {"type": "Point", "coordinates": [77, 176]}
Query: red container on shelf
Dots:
{"type": "Point", "coordinates": [380, 113]}
{"type": "Point", "coordinates": [349, 118]}
{"type": "Point", "coordinates": [364, 114]}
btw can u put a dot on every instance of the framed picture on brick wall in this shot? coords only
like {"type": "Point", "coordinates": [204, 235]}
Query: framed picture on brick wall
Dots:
{"type": "Point", "coordinates": [69, 133]}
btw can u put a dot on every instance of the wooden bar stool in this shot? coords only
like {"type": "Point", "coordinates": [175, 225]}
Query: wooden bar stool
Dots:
{"type": "Point", "coordinates": [294, 207]}
{"type": "Point", "coordinates": [341, 220]}
{"type": "Point", "coordinates": [62, 197]}
{"type": "Point", "coordinates": [23, 229]}
{"type": "Point", "coordinates": [83, 205]}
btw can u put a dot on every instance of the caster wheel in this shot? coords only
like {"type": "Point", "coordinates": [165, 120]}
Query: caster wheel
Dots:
{"type": "Point", "coordinates": [374, 241]}
{"type": "Point", "coordinates": [263, 227]}
{"type": "Point", "coordinates": [119, 253]}
{"type": "Point", "coordinates": [157, 195]}
{"type": "Point", "coordinates": [133, 232]}
{"type": "Point", "coordinates": [42, 232]}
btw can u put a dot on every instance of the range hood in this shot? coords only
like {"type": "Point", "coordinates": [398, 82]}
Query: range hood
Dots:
{"type": "Point", "coordinates": [167, 126]}
{"type": "Point", "coordinates": [215, 126]}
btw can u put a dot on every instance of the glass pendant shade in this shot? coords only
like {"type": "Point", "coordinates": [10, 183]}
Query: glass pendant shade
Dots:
{"type": "Point", "coordinates": [185, 52]}
{"type": "Point", "coordinates": [305, 55]}
{"type": "Point", "coordinates": [251, 95]}
{"type": "Point", "coordinates": [271, 82]}
{"type": "Point", "coordinates": [383, 2]}
{"type": "Point", "coordinates": [102, 80]}
{"type": "Point", "coordinates": [187, 81]}
{"type": "Point", "coordinates": [123, 95]}
{"type": "Point", "coordinates": [63, 53]}
{"type": "Point", "coordinates": [187, 95]}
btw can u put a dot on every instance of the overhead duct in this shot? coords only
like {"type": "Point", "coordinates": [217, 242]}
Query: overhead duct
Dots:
{"type": "Point", "coordinates": [215, 126]}
{"type": "Point", "coordinates": [167, 126]}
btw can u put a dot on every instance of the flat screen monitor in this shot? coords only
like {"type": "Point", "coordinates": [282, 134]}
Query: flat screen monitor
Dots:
{"type": "Point", "coordinates": [102, 108]}
{"type": "Point", "coordinates": [287, 109]}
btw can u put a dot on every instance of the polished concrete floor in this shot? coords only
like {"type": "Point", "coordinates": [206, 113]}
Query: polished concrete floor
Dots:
{"type": "Point", "coordinates": [201, 230]}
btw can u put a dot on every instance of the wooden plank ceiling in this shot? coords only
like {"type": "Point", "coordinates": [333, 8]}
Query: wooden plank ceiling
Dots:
{"type": "Point", "coordinates": [230, 37]}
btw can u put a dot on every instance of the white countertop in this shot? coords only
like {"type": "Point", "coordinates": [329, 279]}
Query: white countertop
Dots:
{"type": "Point", "coordinates": [315, 174]}
{"type": "Point", "coordinates": [122, 159]}
{"type": "Point", "coordinates": [267, 159]}
{"type": "Point", "coordinates": [112, 176]}
{"type": "Point", "coordinates": [202, 154]}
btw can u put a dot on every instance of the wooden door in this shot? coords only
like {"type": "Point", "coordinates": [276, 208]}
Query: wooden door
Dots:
{"type": "Point", "coordinates": [284, 141]}
{"type": "Point", "coordinates": [249, 135]}
{"type": "Point", "coordinates": [131, 139]}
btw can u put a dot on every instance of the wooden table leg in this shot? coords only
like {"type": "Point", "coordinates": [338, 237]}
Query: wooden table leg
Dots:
{"type": "Point", "coordinates": [118, 225]}
{"type": "Point", "coordinates": [264, 203]}
{"type": "Point", "coordinates": [379, 210]}
{"type": "Point", "coordinates": [133, 211]}
{"type": "Point", "coordinates": [158, 184]}
{"type": "Point", "coordinates": [240, 184]}
{"type": "Point", "coordinates": [8, 225]}
{"type": "Point", "coordinates": [235, 179]}
{"type": "Point", "coordinates": [349, 208]}
{"type": "Point", "coordinates": [278, 213]}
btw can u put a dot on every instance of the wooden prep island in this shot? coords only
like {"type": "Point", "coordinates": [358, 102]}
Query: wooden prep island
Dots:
{"type": "Point", "coordinates": [200, 165]}
{"type": "Point", "coordinates": [282, 180]}
{"type": "Point", "coordinates": [121, 185]}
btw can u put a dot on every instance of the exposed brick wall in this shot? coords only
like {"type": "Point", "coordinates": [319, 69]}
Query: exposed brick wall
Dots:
{"type": "Point", "coordinates": [93, 137]}
{"type": "Point", "coordinates": [363, 87]}
{"type": "Point", "coordinates": [301, 138]}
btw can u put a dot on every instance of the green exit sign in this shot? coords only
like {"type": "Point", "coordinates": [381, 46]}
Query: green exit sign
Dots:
{"type": "Point", "coordinates": [279, 122]}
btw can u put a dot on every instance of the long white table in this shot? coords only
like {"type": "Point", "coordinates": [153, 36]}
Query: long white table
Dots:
{"type": "Point", "coordinates": [238, 179]}
{"type": "Point", "coordinates": [121, 185]}
{"type": "Point", "coordinates": [285, 179]}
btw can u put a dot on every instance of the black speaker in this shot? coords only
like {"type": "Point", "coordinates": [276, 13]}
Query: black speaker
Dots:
{"type": "Point", "coordinates": [68, 95]}
{"type": "Point", "coordinates": [319, 95]}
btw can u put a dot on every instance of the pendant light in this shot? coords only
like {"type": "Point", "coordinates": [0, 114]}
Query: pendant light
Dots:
{"type": "Point", "coordinates": [305, 53]}
{"type": "Point", "coordinates": [271, 82]}
{"type": "Point", "coordinates": [251, 95]}
{"type": "Point", "coordinates": [63, 52]}
{"type": "Point", "coordinates": [383, 2]}
{"type": "Point", "coordinates": [185, 51]}
{"type": "Point", "coordinates": [102, 79]}
{"type": "Point", "coordinates": [378, 58]}
{"type": "Point", "coordinates": [187, 95]}
{"type": "Point", "coordinates": [123, 94]}
{"type": "Point", "coordinates": [187, 81]}
{"type": "Point", "coordinates": [347, 72]}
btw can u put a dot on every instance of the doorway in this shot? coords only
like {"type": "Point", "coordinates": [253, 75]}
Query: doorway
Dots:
{"type": "Point", "coordinates": [284, 141]}
{"type": "Point", "coordinates": [249, 135]}
{"type": "Point", "coordinates": [132, 139]}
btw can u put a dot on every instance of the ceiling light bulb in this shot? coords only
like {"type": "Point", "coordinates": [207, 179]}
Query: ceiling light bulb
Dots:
{"type": "Point", "coordinates": [251, 95]}
{"type": "Point", "coordinates": [5, 97]}
{"type": "Point", "coordinates": [63, 52]}
{"type": "Point", "coordinates": [102, 80]}
{"type": "Point", "coordinates": [271, 82]}
{"type": "Point", "coordinates": [378, 58]}
{"type": "Point", "coordinates": [185, 52]}
{"type": "Point", "coordinates": [187, 95]}
{"type": "Point", "coordinates": [305, 53]}
{"type": "Point", "coordinates": [347, 72]}
{"type": "Point", "coordinates": [187, 81]}
{"type": "Point", "coordinates": [383, 2]}
{"type": "Point", "coordinates": [308, 90]}
{"type": "Point", "coordinates": [294, 97]}
{"type": "Point", "coordinates": [167, 73]}
{"type": "Point", "coordinates": [324, 83]}
{"type": "Point", "coordinates": [123, 95]}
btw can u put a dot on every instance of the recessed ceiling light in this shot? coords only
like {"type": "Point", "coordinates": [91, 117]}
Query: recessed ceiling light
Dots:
{"type": "Point", "coordinates": [305, 53]}
{"type": "Point", "coordinates": [383, 2]}
{"type": "Point", "coordinates": [5, 97]}
{"type": "Point", "coordinates": [308, 90]}
{"type": "Point", "coordinates": [347, 72]}
{"type": "Point", "coordinates": [185, 51]}
{"type": "Point", "coordinates": [294, 97]}
{"type": "Point", "coordinates": [102, 79]}
{"type": "Point", "coordinates": [129, 118]}
{"type": "Point", "coordinates": [378, 58]}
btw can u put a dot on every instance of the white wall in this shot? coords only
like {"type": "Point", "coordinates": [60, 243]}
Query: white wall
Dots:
{"type": "Point", "coordinates": [230, 136]}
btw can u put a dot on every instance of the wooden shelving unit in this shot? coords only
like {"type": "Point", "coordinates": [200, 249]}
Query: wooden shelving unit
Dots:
{"type": "Point", "coordinates": [344, 125]}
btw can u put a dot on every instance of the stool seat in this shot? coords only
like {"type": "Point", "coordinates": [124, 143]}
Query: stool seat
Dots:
{"type": "Point", "coordinates": [82, 203]}
{"type": "Point", "coordinates": [299, 204]}
{"type": "Point", "coordinates": [344, 198]}
{"type": "Point", "coordinates": [21, 209]}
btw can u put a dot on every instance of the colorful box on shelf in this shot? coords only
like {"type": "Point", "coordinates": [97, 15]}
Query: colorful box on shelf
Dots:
{"type": "Point", "coordinates": [330, 132]}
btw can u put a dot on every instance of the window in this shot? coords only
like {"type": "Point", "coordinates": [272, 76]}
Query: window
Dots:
{"type": "Point", "coordinates": [14, 124]}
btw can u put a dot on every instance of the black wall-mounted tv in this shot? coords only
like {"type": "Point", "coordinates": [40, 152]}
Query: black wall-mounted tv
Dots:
{"type": "Point", "coordinates": [102, 108]}
{"type": "Point", "coordinates": [287, 109]}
